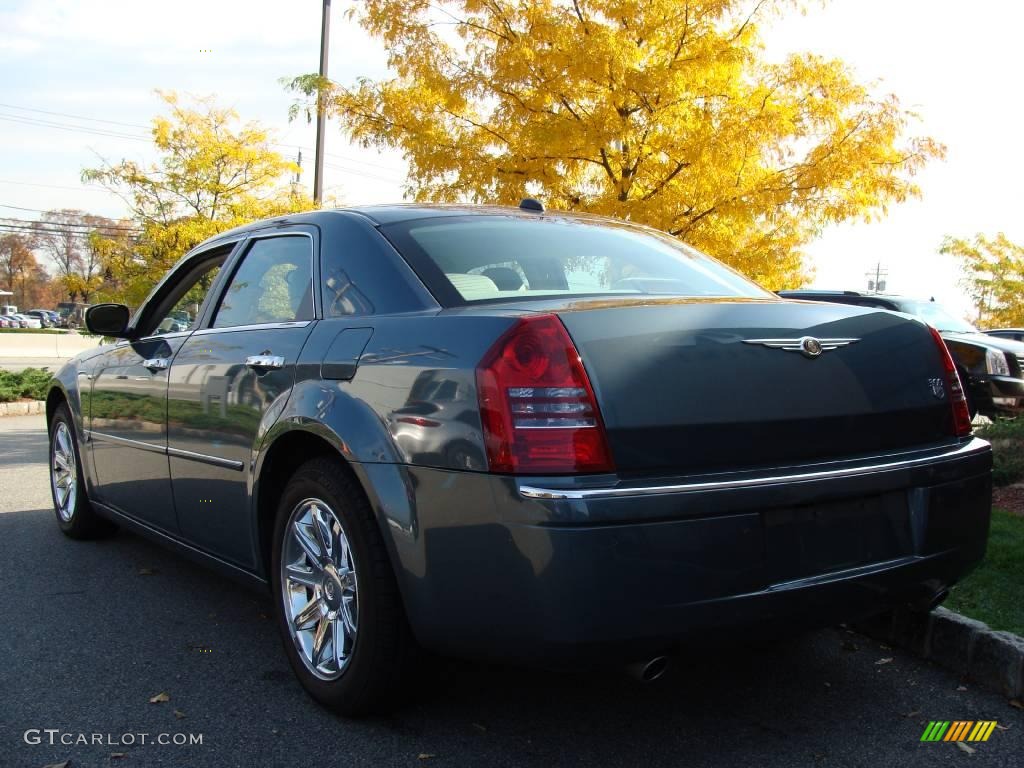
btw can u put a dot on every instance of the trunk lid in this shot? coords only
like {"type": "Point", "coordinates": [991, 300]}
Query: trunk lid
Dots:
{"type": "Point", "coordinates": [681, 389]}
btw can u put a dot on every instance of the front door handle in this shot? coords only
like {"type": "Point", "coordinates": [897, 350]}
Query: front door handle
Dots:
{"type": "Point", "coordinates": [264, 362]}
{"type": "Point", "coordinates": [156, 364]}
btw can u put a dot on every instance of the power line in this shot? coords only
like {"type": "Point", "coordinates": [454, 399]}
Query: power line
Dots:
{"type": "Point", "coordinates": [337, 156]}
{"type": "Point", "coordinates": [28, 120]}
{"type": "Point", "coordinates": [68, 127]}
{"type": "Point", "coordinates": [34, 223]}
{"type": "Point", "coordinates": [76, 117]}
{"type": "Point", "coordinates": [53, 186]}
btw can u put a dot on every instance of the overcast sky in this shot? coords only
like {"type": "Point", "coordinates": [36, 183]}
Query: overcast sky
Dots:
{"type": "Point", "coordinates": [957, 65]}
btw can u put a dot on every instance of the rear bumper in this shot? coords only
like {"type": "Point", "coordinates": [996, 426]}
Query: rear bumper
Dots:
{"type": "Point", "coordinates": [542, 570]}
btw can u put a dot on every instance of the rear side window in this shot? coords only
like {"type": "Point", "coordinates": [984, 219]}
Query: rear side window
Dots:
{"type": "Point", "coordinates": [498, 257]}
{"type": "Point", "coordinates": [273, 284]}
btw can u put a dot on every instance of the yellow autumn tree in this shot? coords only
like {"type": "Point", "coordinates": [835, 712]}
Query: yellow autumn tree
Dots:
{"type": "Point", "coordinates": [211, 174]}
{"type": "Point", "coordinates": [660, 111]}
{"type": "Point", "coordinates": [993, 277]}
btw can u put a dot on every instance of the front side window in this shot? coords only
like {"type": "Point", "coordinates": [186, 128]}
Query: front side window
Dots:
{"type": "Point", "coordinates": [184, 313]}
{"type": "Point", "coordinates": [494, 257]}
{"type": "Point", "coordinates": [273, 284]}
{"type": "Point", "coordinates": [177, 308]}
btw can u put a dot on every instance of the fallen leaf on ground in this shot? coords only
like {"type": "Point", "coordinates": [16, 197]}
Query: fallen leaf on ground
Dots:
{"type": "Point", "coordinates": [1016, 703]}
{"type": "Point", "coordinates": [118, 755]}
{"type": "Point", "coordinates": [426, 756]}
{"type": "Point", "coordinates": [146, 571]}
{"type": "Point", "coordinates": [961, 687]}
{"type": "Point", "coordinates": [65, 764]}
{"type": "Point", "coordinates": [481, 727]}
{"type": "Point", "coordinates": [179, 714]}
{"type": "Point", "coordinates": [965, 748]}
{"type": "Point", "coordinates": [160, 698]}
{"type": "Point", "coordinates": [915, 713]}
{"type": "Point", "coordinates": [886, 660]}
{"type": "Point", "coordinates": [1002, 727]}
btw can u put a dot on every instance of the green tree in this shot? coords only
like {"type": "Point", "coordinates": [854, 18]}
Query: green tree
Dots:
{"type": "Point", "coordinates": [660, 111]}
{"type": "Point", "coordinates": [212, 174]}
{"type": "Point", "coordinates": [994, 277]}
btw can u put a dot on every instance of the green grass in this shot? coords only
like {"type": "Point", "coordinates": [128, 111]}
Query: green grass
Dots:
{"type": "Point", "coordinates": [33, 330]}
{"type": "Point", "coordinates": [31, 382]}
{"type": "Point", "coordinates": [994, 593]}
{"type": "Point", "coordinates": [1007, 438]}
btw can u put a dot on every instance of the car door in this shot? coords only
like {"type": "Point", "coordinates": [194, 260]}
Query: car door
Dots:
{"type": "Point", "coordinates": [128, 396]}
{"type": "Point", "coordinates": [228, 379]}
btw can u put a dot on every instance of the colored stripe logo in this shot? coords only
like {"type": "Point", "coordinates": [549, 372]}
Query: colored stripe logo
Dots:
{"type": "Point", "coordinates": [958, 730]}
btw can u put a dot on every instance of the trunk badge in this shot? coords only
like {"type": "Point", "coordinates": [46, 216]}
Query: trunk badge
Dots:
{"type": "Point", "coordinates": [808, 346]}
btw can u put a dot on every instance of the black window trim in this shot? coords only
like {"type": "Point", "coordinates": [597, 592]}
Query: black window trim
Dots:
{"type": "Point", "coordinates": [231, 266]}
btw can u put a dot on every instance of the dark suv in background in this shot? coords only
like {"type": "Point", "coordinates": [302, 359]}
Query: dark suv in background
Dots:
{"type": "Point", "coordinates": [990, 365]}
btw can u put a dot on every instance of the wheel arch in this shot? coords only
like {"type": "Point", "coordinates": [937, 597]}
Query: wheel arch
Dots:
{"type": "Point", "coordinates": [284, 451]}
{"type": "Point", "coordinates": [54, 399]}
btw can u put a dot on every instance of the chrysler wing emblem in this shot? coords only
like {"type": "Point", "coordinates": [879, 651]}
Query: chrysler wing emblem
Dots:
{"type": "Point", "coordinates": [808, 346]}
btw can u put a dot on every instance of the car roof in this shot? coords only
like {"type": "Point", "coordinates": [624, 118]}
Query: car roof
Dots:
{"type": "Point", "coordinates": [383, 215]}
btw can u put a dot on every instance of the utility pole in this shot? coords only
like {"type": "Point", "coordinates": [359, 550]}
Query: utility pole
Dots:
{"type": "Point", "coordinates": [297, 181]}
{"type": "Point", "coordinates": [876, 279]}
{"type": "Point", "coordinates": [325, 44]}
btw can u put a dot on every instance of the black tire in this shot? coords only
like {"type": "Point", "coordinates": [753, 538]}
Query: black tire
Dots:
{"type": "Point", "coordinates": [83, 522]}
{"type": "Point", "coordinates": [379, 662]}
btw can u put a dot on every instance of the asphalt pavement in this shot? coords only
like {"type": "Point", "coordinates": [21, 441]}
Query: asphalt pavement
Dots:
{"type": "Point", "coordinates": [92, 631]}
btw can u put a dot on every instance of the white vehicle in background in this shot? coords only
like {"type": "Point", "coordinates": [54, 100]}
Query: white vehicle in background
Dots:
{"type": "Point", "coordinates": [32, 322]}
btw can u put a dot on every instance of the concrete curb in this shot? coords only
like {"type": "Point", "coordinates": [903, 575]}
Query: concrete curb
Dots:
{"type": "Point", "coordinates": [994, 660]}
{"type": "Point", "coordinates": [23, 408]}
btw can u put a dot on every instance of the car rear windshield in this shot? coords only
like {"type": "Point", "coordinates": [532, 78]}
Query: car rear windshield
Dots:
{"type": "Point", "coordinates": [479, 258]}
{"type": "Point", "coordinates": [935, 315]}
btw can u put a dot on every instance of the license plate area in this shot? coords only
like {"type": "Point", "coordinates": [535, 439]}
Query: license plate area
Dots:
{"type": "Point", "coordinates": [811, 540]}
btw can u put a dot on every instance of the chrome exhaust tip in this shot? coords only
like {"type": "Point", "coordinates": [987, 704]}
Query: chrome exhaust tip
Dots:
{"type": "Point", "coordinates": [650, 670]}
{"type": "Point", "coordinates": [930, 602]}
{"type": "Point", "coordinates": [938, 599]}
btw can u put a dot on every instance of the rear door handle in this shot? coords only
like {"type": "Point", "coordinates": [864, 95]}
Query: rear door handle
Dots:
{"type": "Point", "coordinates": [156, 364]}
{"type": "Point", "coordinates": [265, 362]}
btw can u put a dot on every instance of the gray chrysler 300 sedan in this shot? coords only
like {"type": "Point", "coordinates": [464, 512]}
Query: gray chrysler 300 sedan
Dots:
{"type": "Point", "coordinates": [505, 433]}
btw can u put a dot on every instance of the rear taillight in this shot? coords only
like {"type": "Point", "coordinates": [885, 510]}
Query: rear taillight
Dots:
{"type": "Point", "coordinates": [957, 398]}
{"type": "Point", "coordinates": [538, 409]}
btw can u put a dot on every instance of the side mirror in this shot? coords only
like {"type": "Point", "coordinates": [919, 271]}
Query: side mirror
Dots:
{"type": "Point", "coordinates": [108, 320]}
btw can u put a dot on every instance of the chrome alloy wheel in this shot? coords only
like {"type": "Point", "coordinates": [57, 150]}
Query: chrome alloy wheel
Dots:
{"type": "Point", "coordinates": [63, 472]}
{"type": "Point", "coordinates": [319, 589]}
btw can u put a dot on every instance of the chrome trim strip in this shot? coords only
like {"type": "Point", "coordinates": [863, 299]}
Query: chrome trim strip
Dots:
{"type": "Point", "coordinates": [217, 461]}
{"type": "Point", "coordinates": [127, 442]}
{"type": "Point", "coordinates": [258, 326]}
{"type": "Point", "coordinates": [975, 446]}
